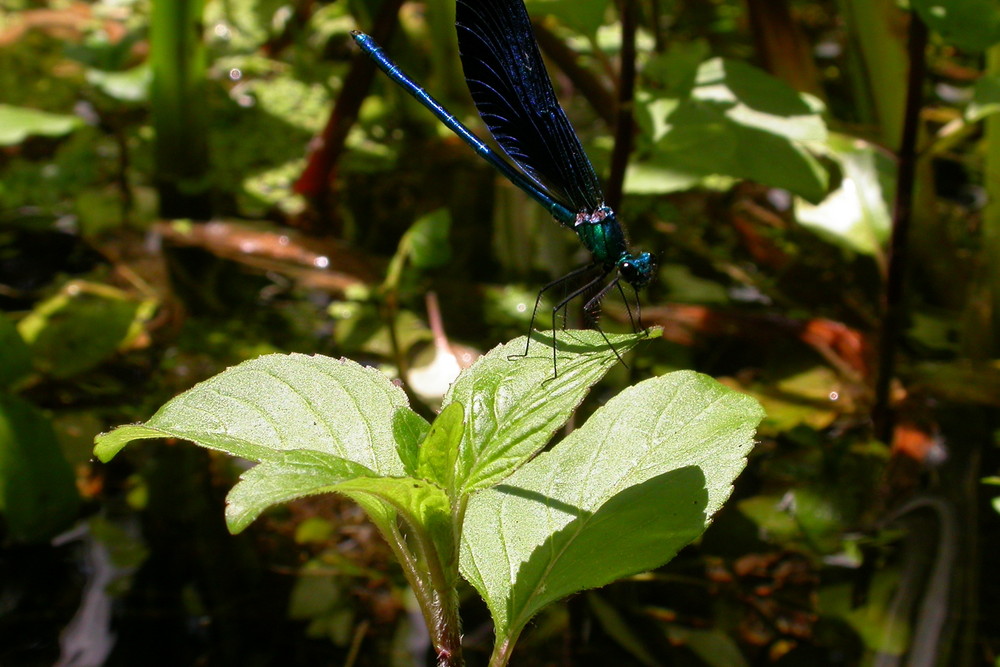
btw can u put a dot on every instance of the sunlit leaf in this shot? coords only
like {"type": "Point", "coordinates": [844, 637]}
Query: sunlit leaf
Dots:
{"type": "Point", "coordinates": [618, 496]}
{"type": "Point", "coordinates": [439, 451]}
{"type": "Point", "coordinates": [857, 215]}
{"type": "Point", "coordinates": [737, 122]}
{"type": "Point", "coordinates": [19, 123]}
{"type": "Point", "coordinates": [515, 403]}
{"type": "Point", "coordinates": [131, 85]}
{"type": "Point", "coordinates": [79, 328]}
{"type": "Point", "coordinates": [286, 476]}
{"type": "Point", "coordinates": [282, 402]}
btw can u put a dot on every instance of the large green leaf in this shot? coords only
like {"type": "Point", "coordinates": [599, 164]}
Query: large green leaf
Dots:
{"type": "Point", "coordinates": [19, 123]}
{"type": "Point", "coordinates": [856, 215]}
{"type": "Point", "coordinates": [968, 24]}
{"type": "Point", "coordinates": [423, 506]}
{"type": "Point", "coordinates": [513, 403]}
{"type": "Point", "coordinates": [283, 402]}
{"type": "Point", "coordinates": [299, 473]}
{"type": "Point", "coordinates": [38, 494]}
{"type": "Point", "coordinates": [736, 122]}
{"type": "Point", "coordinates": [618, 496]}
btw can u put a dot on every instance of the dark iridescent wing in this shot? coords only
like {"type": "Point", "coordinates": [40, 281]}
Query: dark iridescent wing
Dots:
{"type": "Point", "coordinates": [514, 96]}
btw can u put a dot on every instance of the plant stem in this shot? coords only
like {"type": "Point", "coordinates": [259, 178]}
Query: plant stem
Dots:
{"type": "Point", "coordinates": [317, 178]}
{"type": "Point", "coordinates": [624, 122]}
{"type": "Point", "coordinates": [180, 114]}
{"type": "Point", "coordinates": [894, 307]}
{"type": "Point", "coordinates": [501, 653]}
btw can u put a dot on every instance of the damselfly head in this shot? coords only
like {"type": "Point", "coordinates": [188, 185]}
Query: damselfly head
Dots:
{"type": "Point", "coordinates": [637, 270]}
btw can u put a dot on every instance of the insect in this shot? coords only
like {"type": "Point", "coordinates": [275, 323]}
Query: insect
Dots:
{"type": "Point", "coordinates": [514, 96]}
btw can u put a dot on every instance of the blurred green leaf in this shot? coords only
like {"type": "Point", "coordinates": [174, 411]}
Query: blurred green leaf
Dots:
{"type": "Point", "coordinates": [584, 17]}
{"type": "Point", "coordinates": [38, 496]}
{"type": "Point", "coordinates": [19, 123]}
{"type": "Point", "coordinates": [857, 215]}
{"type": "Point", "coordinates": [15, 357]}
{"type": "Point", "coordinates": [130, 85]}
{"type": "Point", "coordinates": [361, 327]}
{"type": "Point", "coordinates": [877, 621]}
{"type": "Point", "coordinates": [685, 287]}
{"type": "Point", "coordinates": [80, 327]}
{"type": "Point", "coordinates": [738, 122]}
{"type": "Point", "coordinates": [313, 529]}
{"type": "Point", "coordinates": [427, 241]}
{"type": "Point", "coordinates": [968, 24]}
{"type": "Point", "coordinates": [985, 98]}
{"type": "Point", "coordinates": [617, 627]}
{"type": "Point", "coordinates": [714, 647]}
{"type": "Point", "coordinates": [675, 71]}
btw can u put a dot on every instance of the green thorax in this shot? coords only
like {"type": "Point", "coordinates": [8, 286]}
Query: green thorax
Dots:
{"type": "Point", "coordinates": [602, 235]}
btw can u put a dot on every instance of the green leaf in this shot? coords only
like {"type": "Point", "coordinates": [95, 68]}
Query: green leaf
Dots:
{"type": "Point", "coordinates": [675, 71]}
{"type": "Point", "coordinates": [985, 98]}
{"type": "Point", "coordinates": [276, 403]}
{"type": "Point", "coordinates": [130, 85]}
{"type": "Point", "coordinates": [409, 429]}
{"type": "Point", "coordinates": [19, 123]}
{"type": "Point", "coordinates": [439, 451]}
{"type": "Point", "coordinates": [967, 24]}
{"type": "Point", "coordinates": [619, 629]}
{"type": "Point", "coordinates": [300, 473]}
{"type": "Point", "coordinates": [750, 97]}
{"type": "Point", "coordinates": [618, 496]}
{"type": "Point", "coordinates": [584, 17]}
{"type": "Point", "coordinates": [423, 506]}
{"type": "Point", "coordinates": [15, 357]}
{"type": "Point", "coordinates": [289, 475]}
{"type": "Point", "coordinates": [514, 404]}
{"type": "Point", "coordinates": [38, 494]}
{"type": "Point", "coordinates": [79, 328]}
{"type": "Point", "coordinates": [738, 122]}
{"type": "Point", "coordinates": [713, 647]}
{"type": "Point", "coordinates": [856, 215]}
{"type": "Point", "coordinates": [427, 240]}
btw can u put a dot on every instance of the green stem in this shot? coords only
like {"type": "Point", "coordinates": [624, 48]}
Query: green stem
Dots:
{"type": "Point", "coordinates": [435, 586]}
{"type": "Point", "coordinates": [501, 653]}
{"type": "Point", "coordinates": [177, 100]}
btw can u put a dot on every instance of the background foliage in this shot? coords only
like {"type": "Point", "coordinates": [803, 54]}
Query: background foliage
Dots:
{"type": "Point", "coordinates": [164, 217]}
